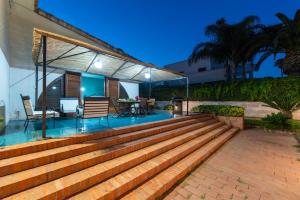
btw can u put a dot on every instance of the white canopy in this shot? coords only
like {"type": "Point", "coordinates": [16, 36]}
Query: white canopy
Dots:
{"type": "Point", "coordinates": [74, 55]}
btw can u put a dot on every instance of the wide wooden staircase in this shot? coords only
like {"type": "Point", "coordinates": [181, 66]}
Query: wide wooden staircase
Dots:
{"type": "Point", "coordinates": [137, 162]}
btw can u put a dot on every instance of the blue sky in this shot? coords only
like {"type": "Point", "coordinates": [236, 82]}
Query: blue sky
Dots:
{"type": "Point", "coordinates": [163, 31]}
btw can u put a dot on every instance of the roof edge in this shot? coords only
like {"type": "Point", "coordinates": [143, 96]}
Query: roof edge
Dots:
{"type": "Point", "coordinates": [97, 49]}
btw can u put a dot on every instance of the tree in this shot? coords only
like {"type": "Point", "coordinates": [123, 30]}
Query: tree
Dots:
{"type": "Point", "coordinates": [283, 38]}
{"type": "Point", "coordinates": [229, 44]}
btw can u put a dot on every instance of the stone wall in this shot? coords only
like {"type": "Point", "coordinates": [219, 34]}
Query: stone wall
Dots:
{"type": "Point", "coordinates": [252, 109]}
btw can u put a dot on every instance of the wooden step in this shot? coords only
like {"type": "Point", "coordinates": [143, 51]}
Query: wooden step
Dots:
{"type": "Point", "coordinates": [17, 182]}
{"type": "Point", "coordinates": [37, 146]}
{"type": "Point", "coordinates": [157, 186]}
{"type": "Point", "coordinates": [28, 161]}
{"type": "Point", "coordinates": [120, 184]}
{"type": "Point", "coordinates": [79, 181]}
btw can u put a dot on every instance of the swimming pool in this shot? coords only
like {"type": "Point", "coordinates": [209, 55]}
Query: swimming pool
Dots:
{"type": "Point", "coordinates": [15, 132]}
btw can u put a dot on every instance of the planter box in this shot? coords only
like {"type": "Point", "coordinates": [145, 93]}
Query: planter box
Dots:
{"type": "Point", "coordinates": [237, 122]}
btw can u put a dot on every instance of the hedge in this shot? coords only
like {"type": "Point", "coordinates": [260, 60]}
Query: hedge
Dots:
{"type": "Point", "coordinates": [222, 110]}
{"type": "Point", "coordinates": [243, 90]}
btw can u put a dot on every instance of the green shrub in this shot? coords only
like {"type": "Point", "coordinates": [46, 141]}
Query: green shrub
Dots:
{"type": "Point", "coordinates": [223, 110]}
{"type": "Point", "coordinates": [294, 125]}
{"type": "Point", "coordinates": [240, 90]}
{"type": "Point", "coordinates": [168, 107]}
{"type": "Point", "coordinates": [254, 123]}
{"type": "Point", "coordinates": [276, 121]}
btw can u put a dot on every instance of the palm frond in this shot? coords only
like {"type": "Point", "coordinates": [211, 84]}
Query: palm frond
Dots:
{"type": "Point", "coordinates": [283, 18]}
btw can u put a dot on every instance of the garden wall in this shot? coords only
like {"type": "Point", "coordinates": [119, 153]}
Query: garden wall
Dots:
{"type": "Point", "coordinates": [252, 109]}
{"type": "Point", "coordinates": [245, 93]}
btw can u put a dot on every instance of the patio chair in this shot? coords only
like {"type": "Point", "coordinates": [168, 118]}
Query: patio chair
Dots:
{"type": "Point", "coordinates": [143, 106]}
{"type": "Point", "coordinates": [151, 105]}
{"type": "Point", "coordinates": [114, 102]}
{"type": "Point", "coordinates": [32, 115]}
{"type": "Point", "coordinates": [94, 107]}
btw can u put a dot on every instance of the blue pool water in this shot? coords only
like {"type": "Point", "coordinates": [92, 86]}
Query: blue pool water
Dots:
{"type": "Point", "coordinates": [15, 132]}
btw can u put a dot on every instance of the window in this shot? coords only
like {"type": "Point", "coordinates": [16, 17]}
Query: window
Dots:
{"type": "Point", "coordinates": [201, 69]}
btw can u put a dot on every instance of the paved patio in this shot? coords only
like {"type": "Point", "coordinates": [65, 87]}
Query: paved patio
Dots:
{"type": "Point", "coordinates": [253, 165]}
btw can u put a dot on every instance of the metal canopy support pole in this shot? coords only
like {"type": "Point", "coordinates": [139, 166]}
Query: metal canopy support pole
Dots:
{"type": "Point", "coordinates": [44, 92]}
{"type": "Point", "coordinates": [36, 85]}
{"type": "Point", "coordinates": [150, 83]}
{"type": "Point", "coordinates": [187, 96]}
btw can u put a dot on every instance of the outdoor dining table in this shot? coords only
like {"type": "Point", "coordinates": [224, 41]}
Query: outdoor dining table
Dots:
{"type": "Point", "coordinates": [128, 107]}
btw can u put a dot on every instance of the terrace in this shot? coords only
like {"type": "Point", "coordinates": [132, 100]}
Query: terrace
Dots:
{"type": "Point", "coordinates": [93, 122]}
{"type": "Point", "coordinates": [86, 71]}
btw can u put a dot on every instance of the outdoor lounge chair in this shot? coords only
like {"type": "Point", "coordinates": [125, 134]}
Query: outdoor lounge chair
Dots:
{"type": "Point", "coordinates": [32, 115]}
{"type": "Point", "coordinates": [114, 102]}
{"type": "Point", "coordinates": [151, 105]}
{"type": "Point", "coordinates": [94, 107]}
{"type": "Point", "coordinates": [143, 107]}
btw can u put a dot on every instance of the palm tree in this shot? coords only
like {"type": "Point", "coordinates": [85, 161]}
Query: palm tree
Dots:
{"type": "Point", "coordinates": [283, 38]}
{"type": "Point", "coordinates": [229, 44]}
{"type": "Point", "coordinates": [288, 41]}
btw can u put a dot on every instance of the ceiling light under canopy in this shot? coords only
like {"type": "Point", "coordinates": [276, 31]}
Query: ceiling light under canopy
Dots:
{"type": "Point", "coordinates": [147, 75]}
{"type": "Point", "coordinates": [98, 64]}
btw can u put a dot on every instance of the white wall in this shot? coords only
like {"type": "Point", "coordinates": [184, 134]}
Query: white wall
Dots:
{"type": "Point", "coordinates": [4, 79]}
{"type": "Point", "coordinates": [22, 81]}
{"type": "Point", "coordinates": [132, 89]}
{"type": "Point", "coordinates": [4, 56]}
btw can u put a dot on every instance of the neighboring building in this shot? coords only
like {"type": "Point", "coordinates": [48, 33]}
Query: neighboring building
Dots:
{"type": "Point", "coordinates": [205, 70]}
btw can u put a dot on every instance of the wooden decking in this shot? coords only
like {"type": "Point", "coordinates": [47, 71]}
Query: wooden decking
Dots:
{"type": "Point", "coordinates": [137, 162]}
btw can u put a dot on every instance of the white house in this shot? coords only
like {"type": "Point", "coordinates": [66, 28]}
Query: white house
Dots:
{"type": "Point", "coordinates": [18, 74]}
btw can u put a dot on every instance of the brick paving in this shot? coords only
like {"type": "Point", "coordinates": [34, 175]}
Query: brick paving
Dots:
{"type": "Point", "coordinates": [254, 165]}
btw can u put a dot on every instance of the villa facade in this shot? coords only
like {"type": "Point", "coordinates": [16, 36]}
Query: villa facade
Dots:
{"type": "Point", "coordinates": [18, 71]}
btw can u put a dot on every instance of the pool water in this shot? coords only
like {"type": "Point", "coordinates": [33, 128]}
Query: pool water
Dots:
{"type": "Point", "coordinates": [15, 132]}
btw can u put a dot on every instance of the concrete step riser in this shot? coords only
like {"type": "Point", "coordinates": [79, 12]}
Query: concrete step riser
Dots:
{"type": "Point", "coordinates": [144, 126]}
{"type": "Point", "coordinates": [116, 192]}
{"type": "Point", "coordinates": [28, 164]}
{"type": "Point", "coordinates": [162, 188]}
{"type": "Point", "coordinates": [145, 176]}
{"type": "Point", "coordinates": [100, 177]}
{"type": "Point", "coordinates": [52, 175]}
{"type": "Point", "coordinates": [51, 144]}
{"type": "Point", "coordinates": [76, 187]}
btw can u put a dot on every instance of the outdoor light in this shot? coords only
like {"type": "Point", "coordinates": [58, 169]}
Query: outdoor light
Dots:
{"type": "Point", "coordinates": [54, 88]}
{"type": "Point", "coordinates": [147, 75]}
{"type": "Point", "coordinates": [82, 89]}
{"type": "Point", "coordinates": [98, 64]}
